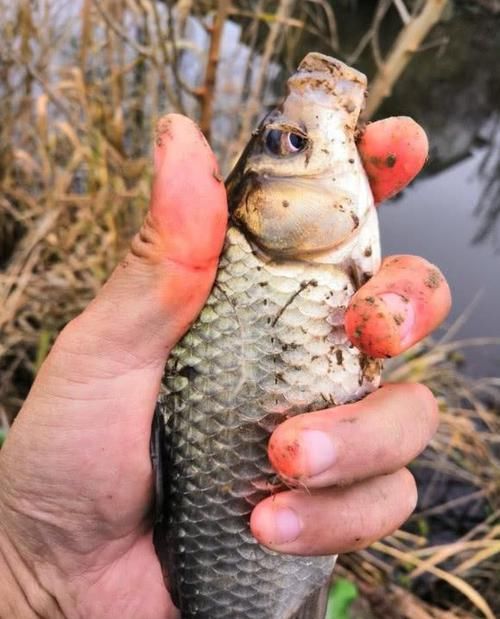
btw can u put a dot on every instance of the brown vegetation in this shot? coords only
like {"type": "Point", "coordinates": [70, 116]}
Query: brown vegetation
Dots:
{"type": "Point", "coordinates": [80, 90]}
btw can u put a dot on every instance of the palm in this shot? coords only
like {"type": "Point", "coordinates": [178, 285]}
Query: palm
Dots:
{"type": "Point", "coordinates": [99, 465]}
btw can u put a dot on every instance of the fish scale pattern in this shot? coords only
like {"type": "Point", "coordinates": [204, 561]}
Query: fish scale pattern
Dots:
{"type": "Point", "coordinates": [268, 344]}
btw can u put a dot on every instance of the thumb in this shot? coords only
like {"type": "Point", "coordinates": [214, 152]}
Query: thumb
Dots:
{"type": "Point", "coordinates": [158, 289]}
{"type": "Point", "coordinates": [80, 445]}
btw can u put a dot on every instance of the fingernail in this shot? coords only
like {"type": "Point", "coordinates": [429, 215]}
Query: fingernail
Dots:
{"type": "Point", "coordinates": [402, 312]}
{"type": "Point", "coordinates": [318, 451]}
{"type": "Point", "coordinates": [287, 525]}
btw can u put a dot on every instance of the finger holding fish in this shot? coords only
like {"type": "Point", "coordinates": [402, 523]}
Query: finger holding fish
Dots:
{"type": "Point", "coordinates": [346, 444]}
{"type": "Point", "coordinates": [402, 303]}
{"type": "Point", "coordinates": [408, 297]}
{"type": "Point", "coordinates": [348, 468]}
{"type": "Point", "coordinates": [336, 519]}
{"type": "Point", "coordinates": [393, 151]}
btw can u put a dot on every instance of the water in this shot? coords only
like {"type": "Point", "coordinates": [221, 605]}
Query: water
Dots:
{"type": "Point", "coordinates": [436, 218]}
{"type": "Point", "coordinates": [452, 88]}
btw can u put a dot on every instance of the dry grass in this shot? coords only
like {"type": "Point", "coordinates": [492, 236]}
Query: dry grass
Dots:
{"type": "Point", "coordinates": [79, 94]}
{"type": "Point", "coordinates": [450, 549]}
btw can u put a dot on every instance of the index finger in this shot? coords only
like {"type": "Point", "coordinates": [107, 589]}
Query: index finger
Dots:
{"type": "Point", "coordinates": [393, 151]}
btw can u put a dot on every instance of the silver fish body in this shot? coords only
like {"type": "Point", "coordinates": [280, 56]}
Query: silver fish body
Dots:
{"type": "Point", "coordinates": [269, 343]}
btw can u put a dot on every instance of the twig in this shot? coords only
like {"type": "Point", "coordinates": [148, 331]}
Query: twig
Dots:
{"type": "Point", "coordinates": [253, 105]}
{"type": "Point", "coordinates": [118, 30]}
{"type": "Point", "coordinates": [382, 9]}
{"type": "Point", "coordinates": [253, 34]}
{"type": "Point", "coordinates": [404, 47]}
{"type": "Point", "coordinates": [440, 42]}
{"type": "Point", "coordinates": [457, 325]}
{"type": "Point", "coordinates": [173, 64]}
{"type": "Point", "coordinates": [260, 15]}
{"type": "Point", "coordinates": [403, 11]}
{"type": "Point", "coordinates": [443, 507]}
{"type": "Point", "coordinates": [169, 59]}
{"type": "Point", "coordinates": [458, 583]}
{"type": "Point", "coordinates": [331, 21]}
{"type": "Point", "coordinates": [208, 91]}
{"type": "Point", "coordinates": [45, 85]}
{"type": "Point", "coordinates": [159, 34]}
{"type": "Point", "coordinates": [86, 33]}
{"type": "Point", "coordinates": [183, 12]}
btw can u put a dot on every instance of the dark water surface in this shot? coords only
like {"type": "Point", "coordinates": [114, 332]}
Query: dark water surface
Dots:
{"type": "Point", "coordinates": [436, 218]}
{"type": "Point", "coordinates": [452, 88]}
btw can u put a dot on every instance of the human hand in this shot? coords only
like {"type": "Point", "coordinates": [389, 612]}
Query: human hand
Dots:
{"type": "Point", "coordinates": [76, 480]}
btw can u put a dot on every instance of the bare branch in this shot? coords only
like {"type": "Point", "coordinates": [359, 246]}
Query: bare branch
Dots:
{"type": "Point", "coordinates": [118, 30]}
{"type": "Point", "coordinates": [401, 53]}
{"type": "Point", "coordinates": [380, 12]}
{"type": "Point", "coordinates": [51, 94]}
{"type": "Point", "coordinates": [208, 91]}
{"type": "Point", "coordinates": [179, 84]}
{"type": "Point", "coordinates": [160, 35]}
{"type": "Point", "coordinates": [332, 22]}
{"type": "Point", "coordinates": [254, 103]}
{"type": "Point", "coordinates": [183, 11]}
{"type": "Point", "coordinates": [86, 33]}
{"type": "Point", "coordinates": [252, 46]}
{"type": "Point", "coordinates": [403, 11]}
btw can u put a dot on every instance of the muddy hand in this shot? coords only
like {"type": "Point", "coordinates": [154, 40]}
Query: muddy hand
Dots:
{"type": "Point", "coordinates": [76, 491]}
{"type": "Point", "coordinates": [76, 480]}
{"type": "Point", "coordinates": [352, 458]}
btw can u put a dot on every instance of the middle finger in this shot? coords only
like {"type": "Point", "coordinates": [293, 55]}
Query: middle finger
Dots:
{"type": "Point", "coordinates": [377, 435]}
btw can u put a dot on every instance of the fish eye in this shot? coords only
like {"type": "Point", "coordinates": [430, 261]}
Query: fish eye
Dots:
{"type": "Point", "coordinates": [296, 141]}
{"type": "Point", "coordinates": [284, 142]}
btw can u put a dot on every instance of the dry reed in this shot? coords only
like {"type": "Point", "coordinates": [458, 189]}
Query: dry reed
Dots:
{"type": "Point", "coordinates": [80, 90]}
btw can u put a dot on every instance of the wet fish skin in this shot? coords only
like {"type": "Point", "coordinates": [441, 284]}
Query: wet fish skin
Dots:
{"type": "Point", "coordinates": [269, 343]}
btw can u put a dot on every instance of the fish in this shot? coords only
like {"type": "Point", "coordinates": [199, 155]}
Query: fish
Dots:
{"type": "Point", "coordinates": [269, 343]}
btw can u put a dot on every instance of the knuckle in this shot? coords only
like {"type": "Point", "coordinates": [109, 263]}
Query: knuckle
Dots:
{"type": "Point", "coordinates": [146, 244]}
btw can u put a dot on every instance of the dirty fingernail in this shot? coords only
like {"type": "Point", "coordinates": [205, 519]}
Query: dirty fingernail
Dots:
{"type": "Point", "coordinates": [402, 312]}
{"type": "Point", "coordinates": [287, 525]}
{"type": "Point", "coordinates": [319, 452]}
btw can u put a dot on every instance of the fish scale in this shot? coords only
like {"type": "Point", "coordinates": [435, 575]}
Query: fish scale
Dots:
{"type": "Point", "coordinates": [269, 344]}
{"type": "Point", "coordinates": [268, 364]}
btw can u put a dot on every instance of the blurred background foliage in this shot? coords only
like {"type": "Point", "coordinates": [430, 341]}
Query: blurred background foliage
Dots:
{"type": "Point", "coordinates": [81, 86]}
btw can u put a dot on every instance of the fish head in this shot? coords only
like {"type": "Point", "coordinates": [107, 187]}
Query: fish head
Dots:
{"type": "Point", "coordinates": [299, 186]}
